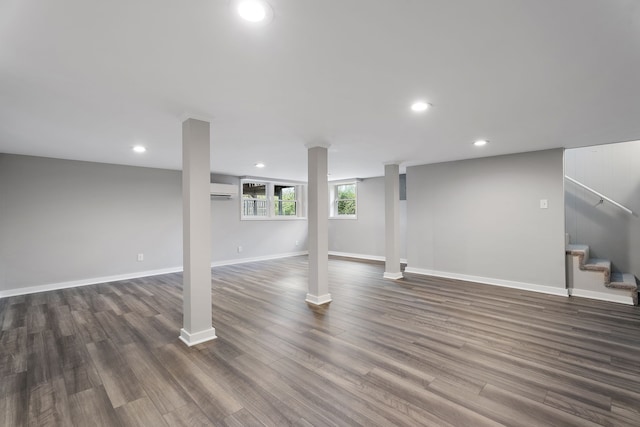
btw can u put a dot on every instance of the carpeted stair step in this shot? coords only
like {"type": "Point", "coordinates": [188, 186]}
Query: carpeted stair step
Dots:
{"type": "Point", "coordinates": [623, 281]}
{"type": "Point", "coordinates": [620, 281]}
{"type": "Point", "coordinates": [578, 250]}
{"type": "Point", "coordinates": [597, 264]}
{"type": "Point", "coordinates": [590, 264]}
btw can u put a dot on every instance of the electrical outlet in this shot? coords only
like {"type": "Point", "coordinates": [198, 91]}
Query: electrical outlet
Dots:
{"type": "Point", "coordinates": [296, 243]}
{"type": "Point", "coordinates": [544, 204]}
{"type": "Point", "coordinates": [140, 257]}
{"type": "Point", "coordinates": [239, 249]}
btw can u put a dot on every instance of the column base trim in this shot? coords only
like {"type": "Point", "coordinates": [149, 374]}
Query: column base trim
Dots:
{"type": "Point", "coordinates": [318, 300]}
{"type": "Point", "coordinates": [392, 276]}
{"type": "Point", "coordinates": [191, 339]}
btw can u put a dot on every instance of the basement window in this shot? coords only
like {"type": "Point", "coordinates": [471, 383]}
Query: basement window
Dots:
{"type": "Point", "coordinates": [343, 200]}
{"type": "Point", "coordinates": [263, 199]}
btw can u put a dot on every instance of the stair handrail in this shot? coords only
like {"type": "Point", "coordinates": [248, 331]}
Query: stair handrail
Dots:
{"type": "Point", "coordinates": [602, 196]}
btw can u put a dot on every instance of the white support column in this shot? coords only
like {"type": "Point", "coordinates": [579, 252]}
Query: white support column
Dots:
{"type": "Point", "coordinates": [392, 221]}
{"type": "Point", "coordinates": [196, 235]}
{"type": "Point", "coordinates": [318, 214]}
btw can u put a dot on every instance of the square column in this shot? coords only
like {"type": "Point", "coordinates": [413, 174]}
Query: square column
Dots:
{"type": "Point", "coordinates": [196, 233]}
{"type": "Point", "coordinates": [318, 213]}
{"type": "Point", "coordinates": [392, 221]}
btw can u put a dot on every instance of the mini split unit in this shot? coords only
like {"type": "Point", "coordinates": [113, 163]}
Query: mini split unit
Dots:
{"type": "Point", "coordinates": [226, 191]}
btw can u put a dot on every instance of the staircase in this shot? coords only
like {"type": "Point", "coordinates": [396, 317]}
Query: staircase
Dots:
{"type": "Point", "coordinates": [593, 278]}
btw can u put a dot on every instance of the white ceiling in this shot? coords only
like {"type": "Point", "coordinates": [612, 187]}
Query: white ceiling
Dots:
{"type": "Point", "coordinates": [87, 80]}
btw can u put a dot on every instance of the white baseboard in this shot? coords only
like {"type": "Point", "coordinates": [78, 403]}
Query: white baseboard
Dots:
{"type": "Point", "coordinates": [392, 276]}
{"type": "Point", "coordinates": [257, 259]}
{"type": "Point", "coordinates": [85, 282]}
{"type": "Point", "coordinates": [128, 276]}
{"type": "Point", "coordinates": [197, 337]}
{"type": "Point", "coordinates": [318, 299]}
{"type": "Point", "coordinates": [621, 299]}
{"type": "Point", "coordinates": [491, 281]}
{"type": "Point", "coordinates": [363, 256]}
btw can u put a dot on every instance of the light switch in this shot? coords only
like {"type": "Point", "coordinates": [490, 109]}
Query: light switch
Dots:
{"type": "Point", "coordinates": [544, 204]}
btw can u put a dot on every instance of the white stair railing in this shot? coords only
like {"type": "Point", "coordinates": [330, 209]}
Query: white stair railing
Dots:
{"type": "Point", "coordinates": [602, 196]}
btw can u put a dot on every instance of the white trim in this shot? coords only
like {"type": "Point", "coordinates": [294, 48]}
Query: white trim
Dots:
{"type": "Point", "coordinates": [274, 218]}
{"type": "Point", "coordinates": [320, 144]}
{"type": "Point", "coordinates": [195, 338]}
{"type": "Point", "coordinates": [189, 115]}
{"type": "Point", "coordinates": [358, 256]}
{"type": "Point", "coordinates": [363, 256]}
{"type": "Point", "coordinates": [333, 200]}
{"type": "Point", "coordinates": [601, 296]}
{"type": "Point", "coordinates": [346, 181]}
{"type": "Point", "coordinates": [85, 282]}
{"type": "Point", "coordinates": [491, 281]}
{"type": "Point", "coordinates": [392, 276]}
{"type": "Point", "coordinates": [271, 200]}
{"type": "Point", "coordinates": [275, 180]}
{"type": "Point", "coordinates": [128, 276]}
{"type": "Point", "coordinates": [257, 259]}
{"type": "Point", "coordinates": [318, 299]}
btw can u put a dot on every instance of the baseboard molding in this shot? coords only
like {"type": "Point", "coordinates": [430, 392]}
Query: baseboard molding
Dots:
{"type": "Point", "coordinates": [363, 256]}
{"type": "Point", "coordinates": [85, 282]}
{"type": "Point", "coordinates": [491, 281]}
{"type": "Point", "coordinates": [257, 259]}
{"type": "Point", "coordinates": [129, 276]}
{"type": "Point", "coordinates": [318, 300]}
{"type": "Point", "coordinates": [195, 338]}
{"type": "Point", "coordinates": [621, 299]}
{"type": "Point", "coordinates": [392, 276]}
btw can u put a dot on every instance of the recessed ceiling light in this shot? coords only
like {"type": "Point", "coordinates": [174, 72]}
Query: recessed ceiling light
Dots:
{"type": "Point", "coordinates": [259, 165]}
{"type": "Point", "coordinates": [252, 10]}
{"type": "Point", "coordinates": [480, 142]}
{"type": "Point", "coordinates": [139, 149]}
{"type": "Point", "coordinates": [420, 106]}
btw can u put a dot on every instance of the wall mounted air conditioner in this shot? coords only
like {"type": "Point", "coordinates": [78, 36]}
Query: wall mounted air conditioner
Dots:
{"type": "Point", "coordinates": [226, 191]}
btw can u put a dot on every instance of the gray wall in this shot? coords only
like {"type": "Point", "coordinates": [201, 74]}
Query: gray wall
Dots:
{"type": "Point", "coordinates": [481, 218]}
{"type": "Point", "coordinates": [258, 238]}
{"type": "Point", "coordinates": [63, 221]}
{"type": "Point", "coordinates": [364, 236]}
{"type": "Point", "coordinates": [611, 233]}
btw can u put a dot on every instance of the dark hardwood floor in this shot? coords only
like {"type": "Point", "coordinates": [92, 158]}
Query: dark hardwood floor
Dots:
{"type": "Point", "coordinates": [419, 351]}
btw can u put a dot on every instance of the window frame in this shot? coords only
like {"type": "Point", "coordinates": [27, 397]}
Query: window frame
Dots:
{"type": "Point", "coordinates": [279, 201]}
{"type": "Point", "coordinates": [272, 201]}
{"type": "Point", "coordinates": [333, 199]}
{"type": "Point", "coordinates": [243, 208]}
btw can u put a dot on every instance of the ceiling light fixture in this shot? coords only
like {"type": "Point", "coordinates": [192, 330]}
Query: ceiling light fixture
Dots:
{"type": "Point", "coordinates": [252, 10]}
{"type": "Point", "coordinates": [420, 106]}
{"type": "Point", "coordinates": [259, 165]}
{"type": "Point", "coordinates": [139, 149]}
{"type": "Point", "coordinates": [480, 142]}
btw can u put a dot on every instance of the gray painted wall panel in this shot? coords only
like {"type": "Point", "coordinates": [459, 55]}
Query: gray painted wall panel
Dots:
{"type": "Point", "coordinates": [257, 238]}
{"type": "Point", "coordinates": [481, 217]}
{"type": "Point", "coordinates": [63, 220]}
{"type": "Point", "coordinates": [365, 235]}
{"type": "Point", "coordinates": [613, 170]}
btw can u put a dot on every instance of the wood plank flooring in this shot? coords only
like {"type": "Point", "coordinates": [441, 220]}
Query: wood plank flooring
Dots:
{"type": "Point", "coordinates": [418, 351]}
